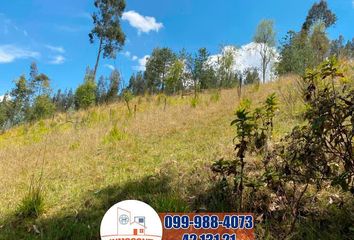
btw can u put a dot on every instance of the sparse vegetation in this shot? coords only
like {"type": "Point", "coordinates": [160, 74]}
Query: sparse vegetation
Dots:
{"type": "Point", "coordinates": [288, 156]}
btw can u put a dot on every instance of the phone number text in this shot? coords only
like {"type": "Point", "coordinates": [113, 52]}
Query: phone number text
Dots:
{"type": "Point", "coordinates": [208, 222]}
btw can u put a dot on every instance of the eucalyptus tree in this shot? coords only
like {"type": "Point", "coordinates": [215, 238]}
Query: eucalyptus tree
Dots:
{"type": "Point", "coordinates": [107, 29]}
{"type": "Point", "coordinates": [226, 66]}
{"type": "Point", "coordinates": [157, 68]}
{"type": "Point", "coordinates": [265, 37]}
{"type": "Point", "coordinates": [113, 88]}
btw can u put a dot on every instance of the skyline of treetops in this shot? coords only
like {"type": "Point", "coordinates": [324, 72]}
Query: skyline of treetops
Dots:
{"type": "Point", "coordinates": [175, 72]}
{"type": "Point", "coordinates": [56, 39]}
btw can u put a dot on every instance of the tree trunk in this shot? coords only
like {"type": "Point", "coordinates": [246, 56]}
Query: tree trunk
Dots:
{"type": "Point", "coordinates": [128, 106]}
{"type": "Point", "coordinates": [264, 70]}
{"type": "Point", "coordinates": [97, 59]}
{"type": "Point", "coordinates": [296, 211]}
{"type": "Point", "coordinates": [241, 183]}
{"type": "Point", "coordinates": [239, 89]}
{"type": "Point", "coordinates": [263, 52]}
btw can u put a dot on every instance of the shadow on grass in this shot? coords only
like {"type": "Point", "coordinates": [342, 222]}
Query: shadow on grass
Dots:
{"type": "Point", "coordinates": [325, 221]}
{"type": "Point", "coordinates": [85, 223]}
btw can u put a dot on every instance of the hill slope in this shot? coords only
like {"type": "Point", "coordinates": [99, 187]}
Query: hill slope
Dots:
{"type": "Point", "coordinates": [95, 158]}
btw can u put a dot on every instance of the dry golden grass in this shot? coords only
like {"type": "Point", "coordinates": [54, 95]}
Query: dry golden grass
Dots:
{"type": "Point", "coordinates": [81, 154]}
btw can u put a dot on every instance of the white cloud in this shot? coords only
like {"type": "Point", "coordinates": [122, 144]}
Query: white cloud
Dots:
{"type": "Point", "coordinates": [247, 56]}
{"type": "Point", "coordinates": [59, 59]}
{"type": "Point", "coordinates": [7, 26]}
{"type": "Point", "coordinates": [8, 97]}
{"type": "Point", "coordinates": [110, 66]}
{"type": "Point", "coordinates": [127, 54]}
{"type": "Point", "coordinates": [55, 48]}
{"type": "Point", "coordinates": [353, 3]}
{"type": "Point", "coordinates": [142, 23]}
{"type": "Point", "coordinates": [9, 53]}
{"type": "Point", "coordinates": [142, 63]}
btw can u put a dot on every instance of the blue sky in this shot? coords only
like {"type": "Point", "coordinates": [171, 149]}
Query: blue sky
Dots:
{"type": "Point", "coordinates": [55, 33]}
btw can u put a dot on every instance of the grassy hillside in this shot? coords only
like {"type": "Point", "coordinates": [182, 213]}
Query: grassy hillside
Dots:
{"type": "Point", "coordinates": [95, 158]}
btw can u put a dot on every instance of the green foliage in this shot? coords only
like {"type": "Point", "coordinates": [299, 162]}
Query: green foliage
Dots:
{"type": "Point", "coordinates": [157, 68]}
{"type": "Point", "coordinates": [85, 95]}
{"type": "Point", "coordinates": [38, 82]}
{"type": "Point", "coordinates": [265, 33]}
{"type": "Point", "coordinates": [296, 54]}
{"type": "Point", "coordinates": [251, 76]}
{"type": "Point", "coordinates": [5, 112]}
{"type": "Point", "coordinates": [174, 77]}
{"type": "Point", "coordinates": [137, 84]}
{"type": "Point", "coordinates": [252, 132]}
{"type": "Point", "coordinates": [340, 49]}
{"type": "Point", "coordinates": [32, 204]}
{"type": "Point", "coordinates": [107, 28]}
{"type": "Point", "coordinates": [330, 116]}
{"type": "Point", "coordinates": [244, 126]}
{"type": "Point", "coordinates": [244, 130]}
{"type": "Point", "coordinates": [270, 107]}
{"type": "Point", "coordinates": [64, 101]}
{"type": "Point", "coordinates": [203, 71]}
{"type": "Point", "coordinates": [113, 89]}
{"type": "Point", "coordinates": [319, 42]}
{"type": "Point", "coordinates": [265, 37]}
{"type": "Point", "coordinates": [310, 46]}
{"type": "Point", "coordinates": [101, 90]}
{"type": "Point", "coordinates": [194, 102]}
{"type": "Point", "coordinates": [319, 153]}
{"type": "Point", "coordinates": [303, 50]}
{"type": "Point", "coordinates": [43, 107]}
{"type": "Point", "coordinates": [20, 100]}
{"type": "Point", "coordinates": [115, 135]}
{"type": "Point", "coordinates": [127, 97]}
{"type": "Point", "coordinates": [319, 13]}
{"type": "Point", "coordinates": [225, 72]}
{"type": "Point", "coordinates": [245, 104]}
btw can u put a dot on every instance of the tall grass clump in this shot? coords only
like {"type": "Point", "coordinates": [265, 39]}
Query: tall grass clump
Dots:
{"type": "Point", "coordinates": [194, 102]}
{"type": "Point", "coordinates": [31, 205]}
{"type": "Point", "coordinates": [114, 135]}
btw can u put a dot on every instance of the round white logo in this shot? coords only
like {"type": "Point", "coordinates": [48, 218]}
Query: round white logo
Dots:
{"type": "Point", "coordinates": [132, 220]}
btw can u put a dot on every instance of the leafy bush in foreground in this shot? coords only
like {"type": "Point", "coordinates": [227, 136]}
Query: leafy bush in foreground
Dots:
{"type": "Point", "coordinates": [311, 161]}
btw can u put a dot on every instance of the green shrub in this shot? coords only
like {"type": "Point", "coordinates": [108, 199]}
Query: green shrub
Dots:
{"type": "Point", "coordinates": [85, 95]}
{"type": "Point", "coordinates": [194, 102]}
{"type": "Point", "coordinates": [43, 107]}
{"type": "Point", "coordinates": [115, 135]}
{"type": "Point", "coordinates": [128, 97]}
{"type": "Point", "coordinates": [245, 103]}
